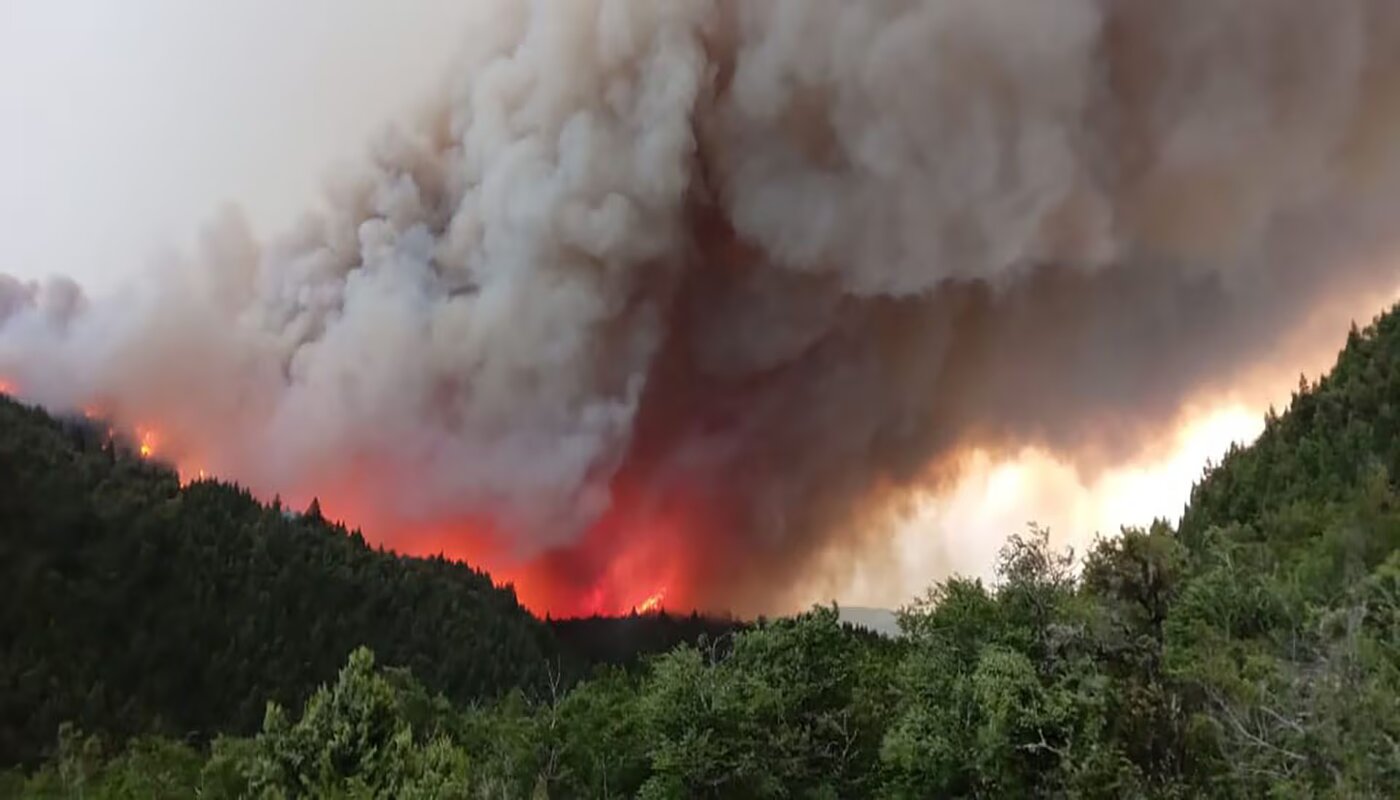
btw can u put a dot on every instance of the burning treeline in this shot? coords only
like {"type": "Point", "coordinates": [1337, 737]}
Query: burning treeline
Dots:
{"type": "Point", "coordinates": [682, 297]}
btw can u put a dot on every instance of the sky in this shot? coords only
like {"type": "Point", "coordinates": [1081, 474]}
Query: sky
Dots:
{"type": "Point", "coordinates": [126, 124]}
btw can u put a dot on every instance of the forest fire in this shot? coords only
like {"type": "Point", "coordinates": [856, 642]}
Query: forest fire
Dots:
{"type": "Point", "coordinates": [146, 444]}
{"type": "Point", "coordinates": [652, 603]}
{"type": "Point", "coordinates": [670, 302]}
{"type": "Point", "coordinates": [633, 560]}
{"type": "Point", "coordinates": [611, 570]}
{"type": "Point", "coordinates": [629, 561]}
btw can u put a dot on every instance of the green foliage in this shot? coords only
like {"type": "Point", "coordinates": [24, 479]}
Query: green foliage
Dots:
{"type": "Point", "coordinates": [146, 768]}
{"type": "Point", "coordinates": [788, 711]}
{"type": "Point", "coordinates": [1009, 693]}
{"type": "Point", "coordinates": [357, 738]}
{"type": "Point", "coordinates": [1336, 431]}
{"type": "Point", "coordinates": [598, 731]}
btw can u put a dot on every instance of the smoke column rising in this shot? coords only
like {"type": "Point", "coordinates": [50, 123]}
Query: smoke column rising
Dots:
{"type": "Point", "coordinates": [690, 295]}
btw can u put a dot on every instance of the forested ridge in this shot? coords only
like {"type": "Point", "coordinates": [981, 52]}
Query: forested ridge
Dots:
{"type": "Point", "coordinates": [1253, 651]}
{"type": "Point", "coordinates": [132, 605]}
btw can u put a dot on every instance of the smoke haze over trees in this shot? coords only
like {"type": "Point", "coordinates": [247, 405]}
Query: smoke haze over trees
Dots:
{"type": "Point", "coordinates": [698, 290]}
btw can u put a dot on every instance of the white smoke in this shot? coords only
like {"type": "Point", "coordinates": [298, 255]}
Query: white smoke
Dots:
{"type": "Point", "coordinates": [790, 254]}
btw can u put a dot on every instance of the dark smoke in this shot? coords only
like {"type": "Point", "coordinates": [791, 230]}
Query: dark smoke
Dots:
{"type": "Point", "coordinates": [767, 265]}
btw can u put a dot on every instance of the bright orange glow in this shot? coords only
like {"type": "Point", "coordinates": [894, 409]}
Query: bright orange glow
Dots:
{"type": "Point", "coordinates": [960, 530]}
{"type": "Point", "coordinates": [147, 441]}
{"type": "Point", "coordinates": [150, 444]}
{"type": "Point", "coordinates": [6, 387]}
{"type": "Point", "coordinates": [633, 559]}
{"type": "Point", "coordinates": [652, 603]}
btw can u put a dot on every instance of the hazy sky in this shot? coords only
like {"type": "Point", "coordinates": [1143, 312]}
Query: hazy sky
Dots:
{"type": "Point", "coordinates": [125, 124]}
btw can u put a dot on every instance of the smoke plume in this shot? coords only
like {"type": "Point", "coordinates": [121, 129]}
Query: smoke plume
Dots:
{"type": "Point", "coordinates": [684, 295]}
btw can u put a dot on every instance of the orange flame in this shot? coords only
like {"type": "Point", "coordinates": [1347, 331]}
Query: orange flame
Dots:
{"type": "Point", "coordinates": [636, 559]}
{"type": "Point", "coordinates": [148, 441]}
{"type": "Point", "coordinates": [652, 603]}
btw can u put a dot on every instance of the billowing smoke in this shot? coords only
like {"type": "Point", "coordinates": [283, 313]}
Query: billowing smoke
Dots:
{"type": "Point", "coordinates": [684, 295]}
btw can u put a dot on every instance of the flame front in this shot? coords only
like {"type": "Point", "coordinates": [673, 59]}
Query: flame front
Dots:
{"type": "Point", "coordinates": [652, 603]}
{"type": "Point", "coordinates": [645, 555]}
{"type": "Point", "coordinates": [637, 557]}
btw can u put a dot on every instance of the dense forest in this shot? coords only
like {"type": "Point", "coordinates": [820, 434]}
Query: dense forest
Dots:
{"type": "Point", "coordinates": [135, 606]}
{"type": "Point", "coordinates": [131, 605]}
{"type": "Point", "coordinates": [1252, 651]}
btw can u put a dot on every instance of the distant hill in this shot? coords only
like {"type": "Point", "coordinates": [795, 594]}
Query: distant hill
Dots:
{"type": "Point", "coordinates": [878, 620]}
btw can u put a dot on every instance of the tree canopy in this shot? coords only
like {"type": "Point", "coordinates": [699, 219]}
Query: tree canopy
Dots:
{"type": "Point", "coordinates": [130, 605]}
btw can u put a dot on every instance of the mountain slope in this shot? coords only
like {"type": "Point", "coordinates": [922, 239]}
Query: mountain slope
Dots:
{"type": "Point", "coordinates": [129, 604]}
{"type": "Point", "coordinates": [1334, 432]}
{"type": "Point", "coordinates": [1285, 628]}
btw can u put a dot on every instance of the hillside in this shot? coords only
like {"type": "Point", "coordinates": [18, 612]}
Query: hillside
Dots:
{"type": "Point", "coordinates": [1253, 652]}
{"type": "Point", "coordinates": [131, 605]}
{"type": "Point", "coordinates": [1337, 431]}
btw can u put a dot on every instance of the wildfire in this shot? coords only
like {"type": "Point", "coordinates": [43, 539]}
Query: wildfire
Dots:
{"type": "Point", "coordinates": [630, 562]}
{"type": "Point", "coordinates": [652, 603]}
{"type": "Point", "coordinates": [148, 444]}
{"type": "Point", "coordinates": [147, 439]}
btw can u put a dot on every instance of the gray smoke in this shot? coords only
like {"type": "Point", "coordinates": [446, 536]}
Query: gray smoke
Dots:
{"type": "Point", "coordinates": [785, 257]}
